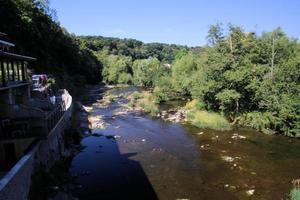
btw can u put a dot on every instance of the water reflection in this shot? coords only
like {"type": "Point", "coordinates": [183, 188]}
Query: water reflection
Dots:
{"type": "Point", "coordinates": [295, 193]}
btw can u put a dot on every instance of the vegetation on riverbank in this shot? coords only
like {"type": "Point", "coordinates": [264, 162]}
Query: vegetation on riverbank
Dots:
{"type": "Point", "coordinates": [144, 101]}
{"type": "Point", "coordinates": [204, 119]}
{"type": "Point", "coordinates": [252, 80]}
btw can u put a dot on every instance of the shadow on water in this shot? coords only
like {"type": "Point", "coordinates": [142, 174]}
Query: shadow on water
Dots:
{"type": "Point", "coordinates": [110, 176]}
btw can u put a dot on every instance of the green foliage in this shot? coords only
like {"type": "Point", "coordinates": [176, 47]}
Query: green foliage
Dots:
{"type": "Point", "coordinates": [135, 49]}
{"type": "Point", "coordinates": [182, 70]}
{"type": "Point", "coordinates": [164, 90]}
{"type": "Point", "coordinates": [116, 69]}
{"type": "Point", "coordinates": [242, 74]}
{"type": "Point", "coordinates": [136, 96]}
{"type": "Point", "coordinates": [145, 71]}
{"type": "Point", "coordinates": [145, 101]}
{"type": "Point", "coordinates": [207, 120]}
{"type": "Point", "coordinates": [228, 99]}
{"type": "Point", "coordinates": [263, 122]}
{"type": "Point", "coordinates": [148, 62]}
{"type": "Point", "coordinates": [203, 119]}
{"type": "Point", "coordinates": [181, 53]}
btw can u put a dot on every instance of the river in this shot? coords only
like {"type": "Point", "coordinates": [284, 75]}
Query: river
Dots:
{"type": "Point", "coordinates": [141, 157]}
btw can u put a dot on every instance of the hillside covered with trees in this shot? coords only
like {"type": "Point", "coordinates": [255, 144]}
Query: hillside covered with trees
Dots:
{"type": "Point", "coordinates": [124, 60]}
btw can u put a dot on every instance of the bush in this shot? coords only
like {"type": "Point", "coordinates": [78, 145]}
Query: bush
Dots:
{"type": "Point", "coordinates": [206, 120]}
{"type": "Point", "coordinates": [195, 105]}
{"type": "Point", "coordinates": [260, 121]}
{"type": "Point", "coordinates": [164, 90]}
{"type": "Point", "coordinates": [145, 101]}
{"type": "Point", "coordinates": [152, 109]}
{"type": "Point", "coordinates": [136, 95]}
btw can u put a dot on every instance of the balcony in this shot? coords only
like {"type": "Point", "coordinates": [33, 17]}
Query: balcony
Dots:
{"type": "Point", "coordinates": [13, 70]}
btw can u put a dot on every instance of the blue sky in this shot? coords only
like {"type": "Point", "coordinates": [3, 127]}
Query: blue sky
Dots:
{"type": "Point", "coordinates": [183, 22]}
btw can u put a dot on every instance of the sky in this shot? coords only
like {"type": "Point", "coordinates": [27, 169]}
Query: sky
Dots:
{"type": "Point", "coordinates": [184, 22]}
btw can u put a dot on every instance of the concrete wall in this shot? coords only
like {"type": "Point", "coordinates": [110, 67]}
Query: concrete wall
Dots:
{"type": "Point", "coordinates": [20, 146]}
{"type": "Point", "coordinates": [15, 184]}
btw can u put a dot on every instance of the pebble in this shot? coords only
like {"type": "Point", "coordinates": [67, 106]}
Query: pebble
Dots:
{"type": "Point", "coordinates": [250, 192]}
{"type": "Point", "coordinates": [237, 136]}
{"type": "Point", "coordinates": [227, 158]}
{"type": "Point", "coordinates": [232, 187]}
{"type": "Point", "coordinates": [117, 136]}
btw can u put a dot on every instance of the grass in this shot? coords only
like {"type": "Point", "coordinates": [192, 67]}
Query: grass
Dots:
{"type": "Point", "coordinates": [204, 119]}
{"type": "Point", "coordinates": [207, 120]}
{"type": "Point", "coordinates": [145, 101]}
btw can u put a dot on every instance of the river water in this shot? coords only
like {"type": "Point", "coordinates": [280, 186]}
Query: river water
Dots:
{"type": "Point", "coordinates": [150, 158]}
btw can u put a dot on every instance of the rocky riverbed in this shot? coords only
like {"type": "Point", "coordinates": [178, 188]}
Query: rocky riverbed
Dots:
{"type": "Point", "coordinates": [130, 155]}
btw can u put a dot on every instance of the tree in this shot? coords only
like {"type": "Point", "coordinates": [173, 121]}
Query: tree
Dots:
{"type": "Point", "coordinates": [215, 34]}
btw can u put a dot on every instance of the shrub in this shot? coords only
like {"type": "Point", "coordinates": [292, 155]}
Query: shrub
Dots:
{"type": "Point", "coordinates": [261, 121]}
{"type": "Point", "coordinates": [195, 105]}
{"type": "Point", "coordinates": [136, 95]}
{"type": "Point", "coordinates": [206, 120]}
{"type": "Point", "coordinates": [145, 101]}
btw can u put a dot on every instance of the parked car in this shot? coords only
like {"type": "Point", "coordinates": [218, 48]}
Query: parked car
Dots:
{"type": "Point", "coordinates": [38, 81]}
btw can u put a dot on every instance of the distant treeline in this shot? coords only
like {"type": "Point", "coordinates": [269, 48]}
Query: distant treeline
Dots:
{"type": "Point", "coordinates": [123, 59]}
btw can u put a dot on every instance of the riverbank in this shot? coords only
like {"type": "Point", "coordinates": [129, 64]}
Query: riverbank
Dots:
{"type": "Point", "coordinates": [189, 112]}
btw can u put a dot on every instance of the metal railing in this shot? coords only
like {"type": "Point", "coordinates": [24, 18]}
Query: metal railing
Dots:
{"type": "Point", "coordinates": [53, 117]}
{"type": "Point", "coordinates": [40, 122]}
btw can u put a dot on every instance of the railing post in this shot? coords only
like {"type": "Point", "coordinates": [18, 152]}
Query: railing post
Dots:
{"type": "Point", "coordinates": [7, 70]}
{"type": "Point", "coordinates": [18, 70]}
{"type": "Point", "coordinates": [23, 71]}
{"type": "Point", "coordinates": [13, 70]}
{"type": "Point", "coordinates": [3, 73]}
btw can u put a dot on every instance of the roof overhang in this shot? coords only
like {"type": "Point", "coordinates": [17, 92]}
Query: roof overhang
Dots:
{"type": "Point", "coordinates": [17, 56]}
